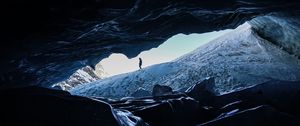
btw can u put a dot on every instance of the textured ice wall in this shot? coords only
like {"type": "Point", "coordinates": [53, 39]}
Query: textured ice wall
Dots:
{"type": "Point", "coordinates": [282, 30]}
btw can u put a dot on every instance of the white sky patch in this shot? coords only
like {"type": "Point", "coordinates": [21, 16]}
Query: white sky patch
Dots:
{"type": "Point", "coordinates": [173, 48]}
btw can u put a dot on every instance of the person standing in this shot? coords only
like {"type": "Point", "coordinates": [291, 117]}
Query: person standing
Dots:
{"type": "Point", "coordinates": [140, 63]}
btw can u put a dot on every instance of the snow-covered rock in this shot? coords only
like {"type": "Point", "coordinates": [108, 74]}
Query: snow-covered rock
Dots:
{"type": "Point", "coordinates": [236, 60]}
{"type": "Point", "coordinates": [82, 76]}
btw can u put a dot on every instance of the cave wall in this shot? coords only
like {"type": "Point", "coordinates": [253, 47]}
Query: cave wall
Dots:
{"type": "Point", "coordinates": [282, 30]}
{"type": "Point", "coordinates": [46, 41]}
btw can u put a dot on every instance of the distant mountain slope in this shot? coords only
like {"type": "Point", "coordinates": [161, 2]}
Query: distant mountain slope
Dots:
{"type": "Point", "coordinates": [236, 60]}
{"type": "Point", "coordinates": [82, 76]}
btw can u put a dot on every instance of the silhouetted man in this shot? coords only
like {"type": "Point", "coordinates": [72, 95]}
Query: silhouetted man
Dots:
{"type": "Point", "coordinates": [140, 63]}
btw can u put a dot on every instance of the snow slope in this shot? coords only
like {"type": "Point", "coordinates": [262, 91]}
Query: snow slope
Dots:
{"type": "Point", "coordinates": [237, 60]}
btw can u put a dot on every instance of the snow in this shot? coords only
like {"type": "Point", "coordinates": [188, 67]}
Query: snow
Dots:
{"type": "Point", "coordinates": [236, 60]}
{"type": "Point", "coordinates": [85, 75]}
{"type": "Point", "coordinates": [125, 84]}
{"type": "Point", "coordinates": [81, 76]}
{"type": "Point", "coordinates": [126, 118]}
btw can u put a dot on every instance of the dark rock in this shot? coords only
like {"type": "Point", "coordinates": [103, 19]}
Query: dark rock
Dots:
{"type": "Point", "coordinates": [233, 108]}
{"type": "Point", "coordinates": [141, 93]}
{"type": "Point", "coordinates": [202, 91]}
{"type": "Point", "coordinates": [126, 98]}
{"type": "Point", "coordinates": [57, 87]}
{"type": "Point", "coordinates": [108, 100]}
{"type": "Point", "coordinates": [282, 95]}
{"type": "Point", "coordinates": [258, 116]}
{"type": "Point", "coordinates": [277, 101]}
{"type": "Point", "coordinates": [173, 112]}
{"type": "Point", "coordinates": [237, 105]}
{"type": "Point", "coordinates": [176, 109]}
{"type": "Point", "coordinates": [40, 106]}
{"type": "Point", "coordinates": [159, 90]}
{"type": "Point", "coordinates": [135, 104]}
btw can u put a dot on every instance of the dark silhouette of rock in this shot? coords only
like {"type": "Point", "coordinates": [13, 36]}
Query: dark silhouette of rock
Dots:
{"type": "Point", "coordinates": [159, 90]}
{"type": "Point", "coordinates": [283, 95]}
{"type": "Point", "coordinates": [175, 112]}
{"type": "Point", "coordinates": [258, 116]}
{"type": "Point", "coordinates": [202, 91]}
{"type": "Point", "coordinates": [37, 106]}
{"type": "Point", "coordinates": [270, 103]}
{"type": "Point", "coordinates": [258, 105]}
{"type": "Point", "coordinates": [175, 109]}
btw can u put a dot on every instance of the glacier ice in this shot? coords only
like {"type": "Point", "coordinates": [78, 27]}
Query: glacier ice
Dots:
{"type": "Point", "coordinates": [236, 60]}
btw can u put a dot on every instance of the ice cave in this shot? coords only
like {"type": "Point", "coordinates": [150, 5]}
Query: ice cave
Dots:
{"type": "Point", "coordinates": [67, 62]}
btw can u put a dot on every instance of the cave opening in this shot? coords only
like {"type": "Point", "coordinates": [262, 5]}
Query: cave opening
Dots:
{"type": "Point", "coordinates": [118, 63]}
{"type": "Point", "coordinates": [171, 49]}
{"type": "Point", "coordinates": [249, 76]}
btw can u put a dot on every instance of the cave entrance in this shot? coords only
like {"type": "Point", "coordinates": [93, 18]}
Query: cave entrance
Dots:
{"type": "Point", "coordinates": [117, 63]}
{"type": "Point", "coordinates": [171, 49]}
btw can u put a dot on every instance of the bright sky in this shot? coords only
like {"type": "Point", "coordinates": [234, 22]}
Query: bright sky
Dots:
{"type": "Point", "coordinates": [173, 48]}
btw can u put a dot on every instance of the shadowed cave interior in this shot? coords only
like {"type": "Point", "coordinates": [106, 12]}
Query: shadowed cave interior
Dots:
{"type": "Point", "coordinates": [51, 75]}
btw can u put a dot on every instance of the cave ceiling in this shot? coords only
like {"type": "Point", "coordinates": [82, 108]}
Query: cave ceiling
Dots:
{"type": "Point", "coordinates": [44, 42]}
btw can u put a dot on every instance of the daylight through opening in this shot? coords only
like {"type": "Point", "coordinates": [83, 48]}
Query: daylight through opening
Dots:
{"type": "Point", "coordinates": [171, 49]}
{"type": "Point", "coordinates": [176, 46]}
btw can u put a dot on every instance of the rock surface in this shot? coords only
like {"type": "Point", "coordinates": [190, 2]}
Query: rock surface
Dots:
{"type": "Point", "coordinates": [159, 90]}
{"type": "Point", "coordinates": [270, 103]}
{"type": "Point", "coordinates": [258, 116]}
{"type": "Point", "coordinates": [283, 95]}
{"type": "Point", "coordinates": [37, 106]}
{"type": "Point", "coordinates": [202, 91]}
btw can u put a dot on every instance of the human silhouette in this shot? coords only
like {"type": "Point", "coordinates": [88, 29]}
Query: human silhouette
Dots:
{"type": "Point", "coordinates": [140, 63]}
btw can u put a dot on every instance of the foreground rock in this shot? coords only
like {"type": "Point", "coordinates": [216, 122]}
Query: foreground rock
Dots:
{"type": "Point", "coordinates": [34, 106]}
{"type": "Point", "coordinates": [258, 116]}
{"type": "Point", "coordinates": [159, 90]}
{"type": "Point", "coordinates": [175, 110]}
{"type": "Point", "coordinates": [270, 103]}
{"type": "Point", "coordinates": [282, 95]}
{"type": "Point", "coordinates": [202, 91]}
